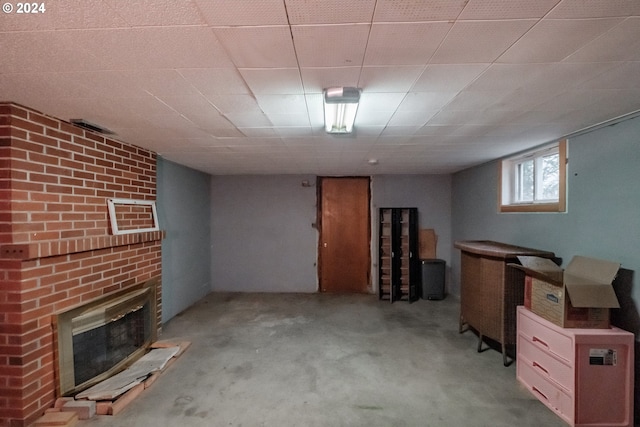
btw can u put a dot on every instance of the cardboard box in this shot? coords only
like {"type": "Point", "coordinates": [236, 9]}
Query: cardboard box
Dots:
{"type": "Point", "coordinates": [581, 296]}
{"type": "Point", "coordinates": [427, 241]}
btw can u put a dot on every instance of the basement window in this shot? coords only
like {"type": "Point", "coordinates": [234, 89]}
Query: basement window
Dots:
{"type": "Point", "coordinates": [534, 181]}
{"type": "Point", "coordinates": [132, 216]}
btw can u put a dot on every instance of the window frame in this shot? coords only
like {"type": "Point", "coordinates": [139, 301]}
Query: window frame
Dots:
{"type": "Point", "coordinates": [507, 181]}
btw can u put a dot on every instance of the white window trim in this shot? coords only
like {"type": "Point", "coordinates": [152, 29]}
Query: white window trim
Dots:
{"type": "Point", "coordinates": [111, 204]}
{"type": "Point", "coordinates": [506, 184]}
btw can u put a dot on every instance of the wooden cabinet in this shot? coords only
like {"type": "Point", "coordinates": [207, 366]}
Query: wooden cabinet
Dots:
{"type": "Point", "coordinates": [398, 263]}
{"type": "Point", "coordinates": [585, 376]}
{"type": "Point", "coordinates": [490, 291]}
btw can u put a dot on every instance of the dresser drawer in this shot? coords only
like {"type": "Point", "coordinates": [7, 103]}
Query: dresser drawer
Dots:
{"type": "Point", "coordinates": [545, 364]}
{"type": "Point", "coordinates": [543, 336]}
{"type": "Point", "coordinates": [552, 395]}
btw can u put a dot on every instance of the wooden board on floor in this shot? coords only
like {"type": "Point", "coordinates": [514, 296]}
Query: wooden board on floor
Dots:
{"type": "Point", "coordinates": [113, 407]}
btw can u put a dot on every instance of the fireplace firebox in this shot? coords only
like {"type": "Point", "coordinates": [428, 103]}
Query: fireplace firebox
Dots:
{"type": "Point", "coordinates": [103, 337]}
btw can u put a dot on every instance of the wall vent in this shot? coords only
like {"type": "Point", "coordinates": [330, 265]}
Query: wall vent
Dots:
{"type": "Point", "coordinates": [92, 126]}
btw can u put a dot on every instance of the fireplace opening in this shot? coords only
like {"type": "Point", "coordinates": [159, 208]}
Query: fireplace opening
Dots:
{"type": "Point", "coordinates": [99, 339]}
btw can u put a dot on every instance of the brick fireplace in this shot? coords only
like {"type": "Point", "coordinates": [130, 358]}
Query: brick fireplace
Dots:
{"type": "Point", "coordinates": [56, 246]}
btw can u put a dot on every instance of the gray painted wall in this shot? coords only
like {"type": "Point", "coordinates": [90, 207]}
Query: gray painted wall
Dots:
{"type": "Point", "coordinates": [603, 217]}
{"type": "Point", "coordinates": [263, 238]}
{"type": "Point", "coordinates": [262, 234]}
{"type": "Point", "coordinates": [184, 213]}
{"type": "Point", "coordinates": [431, 194]}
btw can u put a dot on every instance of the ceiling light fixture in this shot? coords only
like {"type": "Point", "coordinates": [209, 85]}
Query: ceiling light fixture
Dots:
{"type": "Point", "coordinates": [340, 107]}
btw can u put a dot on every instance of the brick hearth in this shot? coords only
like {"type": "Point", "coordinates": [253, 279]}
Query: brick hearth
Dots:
{"type": "Point", "coordinates": [56, 249]}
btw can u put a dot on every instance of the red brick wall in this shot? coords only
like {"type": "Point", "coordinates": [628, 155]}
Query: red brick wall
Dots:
{"type": "Point", "coordinates": [56, 248]}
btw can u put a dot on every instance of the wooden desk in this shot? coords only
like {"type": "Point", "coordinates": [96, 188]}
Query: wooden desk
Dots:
{"type": "Point", "coordinates": [490, 290]}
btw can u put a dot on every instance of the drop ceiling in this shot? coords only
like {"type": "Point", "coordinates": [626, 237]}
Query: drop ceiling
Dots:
{"type": "Point", "coordinates": [235, 87]}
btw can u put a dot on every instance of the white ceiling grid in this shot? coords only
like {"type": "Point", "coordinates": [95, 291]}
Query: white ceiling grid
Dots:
{"type": "Point", "coordinates": [235, 87]}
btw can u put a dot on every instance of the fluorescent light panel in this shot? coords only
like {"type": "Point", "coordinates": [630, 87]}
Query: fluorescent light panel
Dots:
{"type": "Point", "coordinates": [340, 108]}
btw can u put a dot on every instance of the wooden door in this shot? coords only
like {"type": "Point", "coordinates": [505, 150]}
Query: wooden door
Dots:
{"type": "Point", "coordinates": [344, 256]}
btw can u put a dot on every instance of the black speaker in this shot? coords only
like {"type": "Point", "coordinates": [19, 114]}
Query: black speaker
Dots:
{"type": "Point", "coordinates": [433, 277]}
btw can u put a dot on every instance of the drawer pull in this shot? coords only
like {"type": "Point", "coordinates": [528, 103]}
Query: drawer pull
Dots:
{"type": "Point", "coordinates": [535, 390]}
{"type": "Point", "coordinates": [536, 339]}
{"type": "Point", "coordinates": [539, 366]}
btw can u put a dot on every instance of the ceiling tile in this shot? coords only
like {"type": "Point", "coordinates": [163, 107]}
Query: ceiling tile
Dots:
{"type": "Point", "coordinates": [370, 102]}
{"type": "Point", "coordinates": [473, 100]}
{"type": "Point", "coordinates": [258, 132]}
{"type": "Point", "coordinates": [400, 130]}
{"type": "Point", "coordinates": [621, 43]}
{"type": "Point", "coordinates": [33, 85]}
{"type": "Point", "coordinates": [315, 109]}
{"type": "Point", "coordinates": [425, 101]}
{"type": "Point", "coordinates": [151, 47]}
{"type": "Point", "coordinates": [295, 119]}
{"type": "Point", "coordinates": [595, 8]}
{"type": "Point", "coordinates": [248, 119]}
{"type": "Point", "coordinates": [237, 13]}
{"type": "Point", "coordinates": [212, 81]}
{"type": "Point", "coordinates": [329, 11]}
{"type": "Point", "coordinates": [506, 9]}
{"type": "Point", "coordinates": [372, 118]}
{"type": "Point", "coordinates": [389, 79]}
{"type": "Point", "coordinates": [369, 131]}
{"type": "Point", "coordinates": [215, 125]}
{"type": "Point", "coordinates": [553, 39]}
{"type": "Point", "coordinates": [565, 75]}
{"type": "Point", "coordinates": [524, 99]}
{"type": "Point", "coordinates": [160, 82]}
{"type": "Point", "coordinates": [620, 76]}
{"type": "Point", "coordinates": [120, 49]}
{"type": "Point", "coordinates": [447, 77]}
{"type": "Point", "coordinates": [377, 108]}
{"type": "Point", "coordinates": [503, 77]}
{"type": "Point", "coordinates": [472, 130]}
{"type": "Point", "coordinates": [107, 84]}
{"type": "Point", "coordinates": [411, 118]}
{"type": "Point", "coordinates": [282, 104]}
{"type": "Point", "coordinates": [330, 45]}
{"type": "Point", "coordinates": [450, 118]}
{"type": "Point", "coordinates": [183, 47]}
{"type": "Point", "coordinates": [235, 103]}
{"type": "Point", "coordinates": [66, 14]}
{"type": "Point", "coordinates": [141, 105]}
{"type": "Point", "coordinates": [417, 10]}
{"type": "Point", "coordinates": [294, 132]}
{"type": "Point", "coordinates": [236, 87]}
{"type": "Point", "coordinates": [273, 80]}
{"type": "Point", "coordinates": [189, 105]}
{"type": "Point", "coordinates": [479, 41]}
{"type": "Point", "coordinates": [153, 12]}
{"type": "Point", "coordinates": [437, 130]}
{"type": "Point", "coordinates": [258, 47]}
{"type": "Point", "coordinates": [404, 43]}
{"type": "Point", "coordinates": [45, 51]}
{"type": "Point", "coordinates": [315, 80]}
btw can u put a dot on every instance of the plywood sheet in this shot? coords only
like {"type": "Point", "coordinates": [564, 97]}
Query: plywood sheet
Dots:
{"type": "Point", "coordinates": [118, 384]}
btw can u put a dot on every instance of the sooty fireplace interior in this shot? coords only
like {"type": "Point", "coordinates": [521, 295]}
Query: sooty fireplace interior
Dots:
{"type": "Point", "coordinates": [103, 337]}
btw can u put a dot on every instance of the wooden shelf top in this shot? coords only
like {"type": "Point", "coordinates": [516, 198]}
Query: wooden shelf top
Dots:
{"type": "Point", "coordinates": [498, 249]}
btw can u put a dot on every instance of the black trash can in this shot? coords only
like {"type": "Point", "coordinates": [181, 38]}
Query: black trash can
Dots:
{"type": "Point", "coordinates": [433, 277]}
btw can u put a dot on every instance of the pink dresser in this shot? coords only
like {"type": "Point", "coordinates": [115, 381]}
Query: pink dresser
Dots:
{"type": "Point", "coordinates": [585, 376]}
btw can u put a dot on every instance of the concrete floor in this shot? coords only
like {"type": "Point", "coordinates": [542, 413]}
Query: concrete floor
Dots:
{"type": "Point", "coordinates": [329, 360]}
